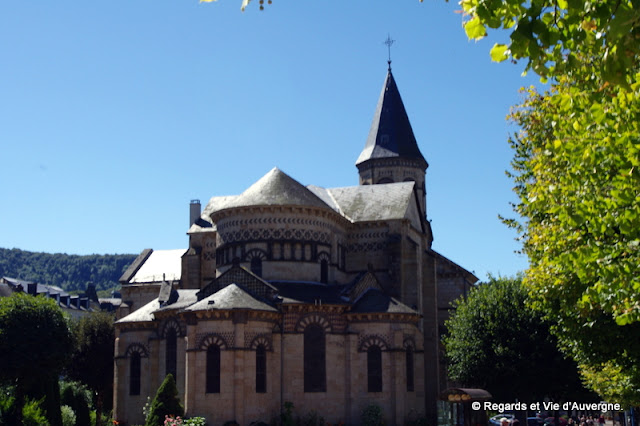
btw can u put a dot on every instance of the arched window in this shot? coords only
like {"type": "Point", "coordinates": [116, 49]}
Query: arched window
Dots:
{"type": "Point", "coordinates": [314, 359]}
{"type": "Point", "coordinates": [324, 271]}
{"type": "Point", "coordinates": [256, 266]}
{"type": "Point", "coordinates": [134, 374]}
{"type": "Point", "coordinates": [171, 353]}
{"type": "Point", "coordinates": [213, 369]}
{"type": "Point", "coordinates": [374, 369]}
{"type": "Point", "coordinates": [261, 369]}
{"type": "Point", "coordinates": [385, 180]}
{"type": "Point", "coordinates": [409, 367]}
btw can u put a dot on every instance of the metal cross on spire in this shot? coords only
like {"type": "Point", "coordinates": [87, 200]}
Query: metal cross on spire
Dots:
{"type": "Point", "coordinates": [389, 42]}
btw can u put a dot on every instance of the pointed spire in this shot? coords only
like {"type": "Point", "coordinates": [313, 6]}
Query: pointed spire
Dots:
{"type": "Point", "coordinates": [391, 134]}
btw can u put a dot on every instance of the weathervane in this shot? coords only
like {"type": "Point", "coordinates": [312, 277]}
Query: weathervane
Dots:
{"type": "Point", "coordinates": [389, 42]}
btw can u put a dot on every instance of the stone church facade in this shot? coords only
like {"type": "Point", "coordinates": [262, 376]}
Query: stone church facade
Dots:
{"type": "Point", "coordinates": [328, 298]}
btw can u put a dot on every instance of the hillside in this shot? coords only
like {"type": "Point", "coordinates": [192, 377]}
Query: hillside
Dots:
{"type": "Point", "coordinates": [70, 272]}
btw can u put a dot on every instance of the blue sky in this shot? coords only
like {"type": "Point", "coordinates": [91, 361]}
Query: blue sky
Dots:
{"type": "Point", "coordinates": [114, 115]}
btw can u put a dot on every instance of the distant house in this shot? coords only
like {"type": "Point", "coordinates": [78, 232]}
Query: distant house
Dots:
{"type": "Point", "coordinates": [74, 305]}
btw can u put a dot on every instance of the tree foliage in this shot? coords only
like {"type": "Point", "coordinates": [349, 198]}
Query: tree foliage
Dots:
{"type": "Point", "coordinates": [577, 174]}
{"type": "Point", "coordinates": [498, 343]}
{"type": "Point", "coordinates": [70, 272]}
{"type": "Point", "coordinates": [165, 403]}
{"type": "Point", "coordinates": [92, 356]}
{"type": "Point", "coordinates": [34, 344]}
{"type": "Point", "coordinates": [78, 397]}
{"type": "Point", "coordinates": [555, 35]}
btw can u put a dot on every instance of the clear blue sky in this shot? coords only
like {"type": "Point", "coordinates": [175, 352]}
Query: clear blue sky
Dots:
{"type": "Point", "coordinates": [114, 114]}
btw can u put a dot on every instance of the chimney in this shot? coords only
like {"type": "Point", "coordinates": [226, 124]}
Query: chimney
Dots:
{"type": "Point", "coordinates": [194, 211]}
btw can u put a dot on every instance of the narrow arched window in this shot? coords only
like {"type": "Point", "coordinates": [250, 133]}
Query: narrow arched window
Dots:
{"type": "Point", "coordinates": [261, 369]}
{"type": "Point", "coordinates": [171, 353]}
{"type": "Point", "coordinates": [314, 359]}
{"type": "Point", "coordinates": [409, 368]}
{"type": "Point", "coordinates": [134, 374]}
{"type": "Point", "coordinates": [324, 271]}
{"type": "Point", "coordinates": [213, 369]}
{"type": "Point", "coordinates": [374, 369]}
{"type": "Point", "coordinates": [256, 266]}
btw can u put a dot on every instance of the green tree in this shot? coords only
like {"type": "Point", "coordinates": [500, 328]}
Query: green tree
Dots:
{"type": "Point", "coordinates": [92, 356]}
{"type": "Point", "coordinates": [576, 169]}
{"type": "Point", "coordinates": [78, 397]}
{"type": "Point", "coordinates": [165, 403]}
{"type": "Point", "coordinates": [496, 342]}
{"type": "Point", "coordinates": [34, 344]}
{"type": "Point", "coordinates": [556, 35]}
{"type": "Point", "coordinates": [70, 272]}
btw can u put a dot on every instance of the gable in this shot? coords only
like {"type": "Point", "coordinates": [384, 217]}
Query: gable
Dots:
{"type": "Point", "coordinates": [361, 284]}
{"type": "Point", "coordinates": [241, 277]}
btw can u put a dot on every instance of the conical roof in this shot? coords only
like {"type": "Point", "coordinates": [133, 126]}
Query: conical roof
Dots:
{"type": "Point", "coordinates": [275, 188]}
{"type": "Point", "coordinates": [391, 134]}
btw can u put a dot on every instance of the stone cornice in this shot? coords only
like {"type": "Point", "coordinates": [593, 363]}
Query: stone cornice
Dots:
{"type": "Point", "coordinates": [383, 317]}
{"type": "Point", "coordinates": [327, 212]}
{"type": "Point", "coordinates": [308, 307]}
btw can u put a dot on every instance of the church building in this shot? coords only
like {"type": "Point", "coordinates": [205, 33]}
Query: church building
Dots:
{"type": "Point", "coordinates": [328, 298]}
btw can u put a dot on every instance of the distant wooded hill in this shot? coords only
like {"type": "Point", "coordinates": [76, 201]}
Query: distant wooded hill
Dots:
{"type": "Point", "coordinates": [68, 271]}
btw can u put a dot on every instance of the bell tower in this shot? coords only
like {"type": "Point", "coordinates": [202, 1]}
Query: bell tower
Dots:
{"type": "Point", "coordinates": [391, 153]}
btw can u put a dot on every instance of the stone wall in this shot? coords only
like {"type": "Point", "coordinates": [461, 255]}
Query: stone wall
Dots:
{"type": "Point", "coordinates": [346, 392]}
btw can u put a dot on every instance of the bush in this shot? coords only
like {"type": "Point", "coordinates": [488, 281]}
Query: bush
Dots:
{"type": "Point", "coordinates": [372, 415]}
{"type": "Point", "coordinates": [33, 414]}
{"type": "Point", "coordinates": [166, 403]}
{"type": "Point", "coordinates": [68, 416]}
{"type": "Point", "coordinates": [78, 397]}
{"type": "Point", "coordinates": [286, 417]}
{"type": "Point", "coordinates": [195, 421]}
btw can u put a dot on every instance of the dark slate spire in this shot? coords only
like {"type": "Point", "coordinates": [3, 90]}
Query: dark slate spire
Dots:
{"type": "Point", "coordinates": [391, 134]}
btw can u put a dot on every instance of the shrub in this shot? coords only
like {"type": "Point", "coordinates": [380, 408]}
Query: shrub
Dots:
{"type": "Point", "coordinates": [173, 421]}
{"type": "Point", "coordinates": [372, 415]}
{"type": "Point", "coordinates": [286, 416]}
{"type": "Point", "coordinates": [68, 416]}
{"type": "Point", "coordinates": [146, 409]}
{"type": "Point", "coordinates": [195, 421]}
{"type": "Point", "coordinates": [78, 397]}
{"type": "Point", "coordinates": [166, 403]}
{"type": "Point", "coordinates": [33, 414]}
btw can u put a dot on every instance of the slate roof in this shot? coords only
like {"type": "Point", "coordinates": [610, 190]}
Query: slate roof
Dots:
{"type": "Point", "coordinates": [146, 312]}
{"type": "Point", "coordinates": [374, 300]}
{"type": "Point", "coordinates": [185, 298]}
{"type": "Point", "coordinates": [391, 134]}
{"type": "Point", "coordinates": [64, 299]}
{"type": "Point", "coordinates": [369, 202]}
{"type": "Point", "coordinates": [234, 296]}
{"type": "Point", "coordinates": [158, 266]}
{"type": "Point", "coordinates": [276, 188]}
{"type": "Point", "coordinates": [231, 297]}
{"type": "Point", "coordinates": [309, 292]}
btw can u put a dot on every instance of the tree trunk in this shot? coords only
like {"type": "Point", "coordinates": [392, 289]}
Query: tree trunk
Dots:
{"type": "Point", "coordinates": [99, 409]}
{"type": "Point", "coordinates": [19, 404]}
